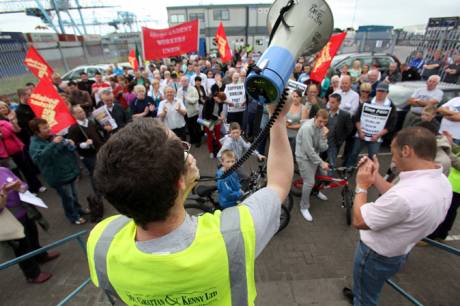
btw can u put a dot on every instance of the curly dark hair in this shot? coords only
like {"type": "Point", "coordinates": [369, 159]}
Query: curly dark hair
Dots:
{"type": "Point", "coordinates": [138, 168]}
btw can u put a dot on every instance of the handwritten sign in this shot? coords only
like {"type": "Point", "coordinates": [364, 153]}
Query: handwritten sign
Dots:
{"type": "Point", "coordinates": [237, 95]}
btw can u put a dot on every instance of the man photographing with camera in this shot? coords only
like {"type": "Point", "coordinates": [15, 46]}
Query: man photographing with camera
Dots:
{"type": "Point", "coordinates": [154, 253]}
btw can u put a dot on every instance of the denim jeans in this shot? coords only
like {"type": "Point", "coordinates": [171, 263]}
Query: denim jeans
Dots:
{"type": "Point", "coordinates": [69, 200]}
{"type": "Point", "coordinates": [373, 148]}
{"type": "Point", "coordinates": [370, 272]}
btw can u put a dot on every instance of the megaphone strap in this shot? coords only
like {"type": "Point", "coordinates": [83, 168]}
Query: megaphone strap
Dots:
{"type": "Point", "coordinates": [280, 19]}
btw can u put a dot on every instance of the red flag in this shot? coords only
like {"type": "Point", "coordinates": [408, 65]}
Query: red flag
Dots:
{"type": "Point", "coordinates": [132, 59]}
{"type": "Point", "coordinates": [49, 105]}
{"type": "Point", "coordinates": [170, 42]}
{"type": "Point", "coordinates": [222, 44]}
{"type": "Point", "coordinates": [37, 64]}
{"type": "Point", "coordinates": [323, 62]}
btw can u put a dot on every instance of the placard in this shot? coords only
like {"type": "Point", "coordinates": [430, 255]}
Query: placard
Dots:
{"type": "Point", "coordinates": [373, 119]}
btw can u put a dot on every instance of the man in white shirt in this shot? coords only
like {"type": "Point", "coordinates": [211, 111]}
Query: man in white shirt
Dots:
{"type": "Point", "coordinates": [451, 118]}
{"type": "Point", "coordinates": [189, 96]}
{"type": "Point", "coordinates": [350, 98]}
{"type": "Point", "coordinates": [172, 111]}
{"type": "Point", "coordinates": [405, 213]}
{"type": "Point", "coordinates": [429, 95]}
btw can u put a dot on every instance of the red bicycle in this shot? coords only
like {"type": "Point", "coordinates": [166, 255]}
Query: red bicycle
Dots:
{"type": "Point", "coordinates": [323, 182]}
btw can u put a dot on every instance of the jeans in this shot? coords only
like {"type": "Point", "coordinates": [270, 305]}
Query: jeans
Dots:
{"type": "Point", "coordinates": [69, 200]}
{"type": "Point", "coordinates": [370, 271]}
{"type": "Point", "coordinates": [373, 148]}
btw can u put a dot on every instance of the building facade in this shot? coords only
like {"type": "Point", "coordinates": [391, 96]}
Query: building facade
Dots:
{"type": "Point", "coordinates": [244, 24]}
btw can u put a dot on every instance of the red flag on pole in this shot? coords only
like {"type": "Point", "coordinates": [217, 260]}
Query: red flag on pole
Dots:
{"type": "Point", "coordinates": [132, 59]}
{"type": "Point", "coordinates": [222, 44]}
{"type": "Point", "coordinates": [47, 104]}
{"type": "Point", "coordinates": [323, 62]}
{"type": "Point", "coordinates": [37, 64]}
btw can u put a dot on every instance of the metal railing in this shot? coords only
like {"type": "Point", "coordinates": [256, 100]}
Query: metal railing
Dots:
{"type": "Point", "coordinates": [434, 243]}
{"type": "Point", "coordinates": [76, 236]}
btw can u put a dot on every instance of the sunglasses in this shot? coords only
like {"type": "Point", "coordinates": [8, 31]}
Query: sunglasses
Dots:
{"type": "Point", "coordinates": [186, 146]}
{"type": "Point", "coordinates": [365, 91]}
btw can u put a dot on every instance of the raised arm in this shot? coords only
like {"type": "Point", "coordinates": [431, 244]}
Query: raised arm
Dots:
{"type": "Point", "coordinates": [280, 165]}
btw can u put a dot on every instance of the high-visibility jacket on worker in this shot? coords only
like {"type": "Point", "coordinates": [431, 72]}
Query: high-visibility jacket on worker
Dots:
{"type": "Point", "coordinates": [217, 268]}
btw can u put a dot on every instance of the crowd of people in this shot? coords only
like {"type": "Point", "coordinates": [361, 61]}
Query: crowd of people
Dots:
{"type": "Point", "coordinates": [195, 100]}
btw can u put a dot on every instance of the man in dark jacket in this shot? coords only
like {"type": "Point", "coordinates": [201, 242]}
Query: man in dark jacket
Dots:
{"type": "Point", "coordinates": [340, 126]}
{"type": "Point", "coordinates": [116, 111]}
{"type": "Point", "coordinates": [373, 121]}
{"type": "Point", "coordinates": [55, 156]}
{"type": "Point", "coordinates": [24, 114]}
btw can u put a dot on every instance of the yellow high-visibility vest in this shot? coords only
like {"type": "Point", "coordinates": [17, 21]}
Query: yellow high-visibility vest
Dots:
{"type": "Point", "coordinates": [216, 269]}
{"type": "Point", "coordinates": [454, 179]}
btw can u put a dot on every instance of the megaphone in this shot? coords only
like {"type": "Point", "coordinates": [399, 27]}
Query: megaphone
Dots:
{"type": "Point", "coordinates": [207, 123]}
{"type": "Point", "coordinates": [297, 27]}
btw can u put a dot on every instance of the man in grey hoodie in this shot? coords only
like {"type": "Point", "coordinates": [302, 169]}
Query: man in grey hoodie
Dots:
{"type": "Point", "coordinates": [311, 140]}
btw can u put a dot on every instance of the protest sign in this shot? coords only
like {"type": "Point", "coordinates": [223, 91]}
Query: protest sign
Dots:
{"type": "Point", "coordinates": [373, 119]}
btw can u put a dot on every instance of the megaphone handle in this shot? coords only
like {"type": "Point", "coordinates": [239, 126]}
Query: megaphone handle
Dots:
{"type": "Point", "coordinates": [262, 135]}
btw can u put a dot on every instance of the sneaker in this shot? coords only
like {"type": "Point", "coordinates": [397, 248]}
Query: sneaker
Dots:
{"type": "Point", "coordinates": [348, 294]}
{"type": "Point", "coordinates": [41, 278]}
{"type": "Point", "coordinates": [321, 196]}
{"type": "Point", "coordinates": [42, 189]}
{"type": "Point", "coordinates": [211, 155]}
{"type": "Point", "coordinates": [80, 221]}
{"type": "Point", "coordinates": [306, 214]}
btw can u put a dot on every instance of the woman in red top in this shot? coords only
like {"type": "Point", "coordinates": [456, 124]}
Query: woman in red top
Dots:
{"type": "Point", "coordinates": [11, 146]}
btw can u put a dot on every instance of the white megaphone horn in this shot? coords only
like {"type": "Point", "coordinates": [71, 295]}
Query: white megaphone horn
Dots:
{"type": "Point", "coordinates": [297, 27]}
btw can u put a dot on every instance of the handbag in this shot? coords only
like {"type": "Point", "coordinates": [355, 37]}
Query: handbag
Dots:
{"type": "Point", "coordinates": [10, 227]}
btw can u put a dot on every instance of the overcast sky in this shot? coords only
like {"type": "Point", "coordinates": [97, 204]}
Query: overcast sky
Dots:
{"type": "Point", "coordinates": [397, 13]}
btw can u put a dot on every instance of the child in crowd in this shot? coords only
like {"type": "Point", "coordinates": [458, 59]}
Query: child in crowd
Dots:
{"type": "Point", "coordinates": [234, 142]}
{"type": "Point", "coordinates": [429, 115]}
{"type": "Point", "coordinates": [229, 188]}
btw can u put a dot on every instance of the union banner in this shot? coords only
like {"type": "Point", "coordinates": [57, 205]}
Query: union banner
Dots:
{"type": "Point", "coordinates": [47, 104]}
{"type": "Point", "coordinates": [222, 44]}
{"type": "Point", "coordinates": [37, 64]}
{"type": "Point", "coordinates": [170, 42]}
{"type": "Point", "coordinates": [323, 61]}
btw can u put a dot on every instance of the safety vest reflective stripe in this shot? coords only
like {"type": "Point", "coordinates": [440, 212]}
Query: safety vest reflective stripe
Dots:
{"type": "Point", "coordinates": [230, 227]}
{"type": "Point", "coordinates": [100, 254]}
{"type": "Point", "coordinates": [234, 242]}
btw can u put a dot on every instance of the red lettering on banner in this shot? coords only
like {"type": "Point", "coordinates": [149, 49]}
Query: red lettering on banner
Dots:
{"type": "Point", "coordinates": [46, 103]}
{"type": "Point", "coordinates": [170, 42]}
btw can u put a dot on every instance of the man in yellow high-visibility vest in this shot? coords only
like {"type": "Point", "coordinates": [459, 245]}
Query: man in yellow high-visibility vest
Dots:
{"type": "Point", "coordinates": [154, 253]}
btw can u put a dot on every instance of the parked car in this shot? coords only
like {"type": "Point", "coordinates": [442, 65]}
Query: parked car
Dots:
{"type": "Point", "coordinates": [383, 60]}
{"type": "Point", "coordinates": [74, 74]}
{"type": "Point", "coordinates": [400, 92]}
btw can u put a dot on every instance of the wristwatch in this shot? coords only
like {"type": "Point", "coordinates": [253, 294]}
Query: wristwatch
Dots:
{"type": "Point", "coordinates": [360, 190]}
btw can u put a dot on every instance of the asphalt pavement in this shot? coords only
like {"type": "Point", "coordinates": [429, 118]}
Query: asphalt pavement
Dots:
{"type": "Point", "coordinates": [306, 264]}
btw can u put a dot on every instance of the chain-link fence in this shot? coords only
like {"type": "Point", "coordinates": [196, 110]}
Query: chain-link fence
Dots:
{"type": "Point", "coordinates": [62, 56]}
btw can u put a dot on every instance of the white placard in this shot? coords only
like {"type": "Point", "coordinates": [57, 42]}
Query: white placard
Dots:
{"type": "Point", "coordinates": [30, 198]}
{"type": "Point", "coordinates": [373, 119]}
{"type": "Point", "coordinates": [236, 94]}
{"type": "Point", "coordinates": [293, 85]}
{"type": "Point", "coordinates": [103, 117]}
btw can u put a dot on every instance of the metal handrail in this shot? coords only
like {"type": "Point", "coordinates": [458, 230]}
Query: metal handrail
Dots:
{"type": "Point", "coordinates": [77, 236]}
{"type": "Point", "coordinates": [434, 243]}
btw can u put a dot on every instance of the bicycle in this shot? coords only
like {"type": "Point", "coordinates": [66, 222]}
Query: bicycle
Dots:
{"type": "Point", "coordinates": [323, 182]}
{"type": "Point", "coordinates": [204, 197]}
